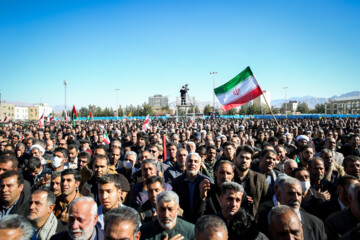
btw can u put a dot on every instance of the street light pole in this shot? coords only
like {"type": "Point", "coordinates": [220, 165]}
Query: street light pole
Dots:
{"type": "Point", "coordinates": [117, 103]}
{"type": "Point", "coordinates": [65, 84]}
{"type": "Point", "coordinates": [285, 88]}
{"type": "Point", "coordinates": [213, 73]}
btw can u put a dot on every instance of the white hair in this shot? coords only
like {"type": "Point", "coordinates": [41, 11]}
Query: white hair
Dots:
{"type": "Point", "coordinates": [88, 200]}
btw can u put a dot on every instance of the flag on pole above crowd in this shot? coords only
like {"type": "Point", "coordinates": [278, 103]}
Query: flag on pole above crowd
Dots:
{"type": "Point", "coordinates": [239, 90]}
{"type": "Point", "coordinates": [41, 121]}
{"type": "Point", "coordinates": [147, 123]}
{"type": "Point", "coordinates": [5, 118]}
{"type": "Point", "coordinates": [74, 114]}
{"type": "Point", "coordinates": [106, 138]}
{"type": "Point", "coordinates": [90, 117]}
{"type": "Point", "coordinates": [124, 119]}
{"type": "Point", "coordinates": [66, 117]}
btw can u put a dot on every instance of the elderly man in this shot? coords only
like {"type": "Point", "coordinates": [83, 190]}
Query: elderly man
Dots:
{"type": "Point", "coordinates": [122, 223]}
{"type": "Point", "coordinates": [340, 222]}
{"type": "Point", "coordinates": [187, 187]}
{"type": "Point", "coordinates": [284, 224]}
{"type": "Point", "coordinates": [289, 166]}
{"type": "Point", "coordinates": [38, 151]}
{"type": "Point", "coordinates": [109, 188]}
{"type": "Point", "coordinates": [332, 170]}
{"type": "Point", "coordinates": [167, 225]}
{"type": "Point", "coordinates": [210, 227]}
{"type": "Point", "coordinates": [330, 144]}
{"type": "Point", "coordinates": [82, 221]}
{"type": "Point", "coordinates": [14, 227]}
{"type": "Point", "coordinates": [289, 193]}
{"type": "Point", "coordinates": [230, 200]}
{"type": "Point", "coordinates": [128, 169]}
{"type": "Point", "coordinates": [41, 205]}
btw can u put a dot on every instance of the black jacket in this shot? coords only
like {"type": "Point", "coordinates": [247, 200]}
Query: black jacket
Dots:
{"type": "Point", "coordinates": [181, 187]}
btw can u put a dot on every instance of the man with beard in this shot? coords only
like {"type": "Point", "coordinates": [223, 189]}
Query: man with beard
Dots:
{"type": "Point", "coordinates": [41, 205]}
{"type": "Point", "coordinates": [353, 147]}
{"type": "Point", "coordinates": [141, 141]}
{"type": "Point", "coordinates": [352, 166]}
{"type": "Point", "coordinates": [55, 183]}
{"type": "Point", "coordinates": [306, 153]}
{"type": "Point", "coordinates": [332, 170]}
{"type": "Point", "coordinates": [187, 186]}
{"type": "Point", "coordinates": [73, 156]}
{"type": "Point", "coordinates": [230, 200]}
{"type": "Point", "coordinates": [82, 221]}
{"type": "Point", "coordinates": [172, 150]}
{"type": "Point", "coordinates": [254, 183]}
{"type": "Point", "coordinates": [70, 180]}
{"type": "Point", "coordinates": [207, 166]}
{"type": "Point", "coordinates": [168, 225]}
{"type": "Point", "coordinates": [289, 193]}
{"type": "Point", "coordinates": [318, 183]}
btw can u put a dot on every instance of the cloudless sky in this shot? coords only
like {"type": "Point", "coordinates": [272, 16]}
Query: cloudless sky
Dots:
{"type": "Point", "coordinates": [147, 47]}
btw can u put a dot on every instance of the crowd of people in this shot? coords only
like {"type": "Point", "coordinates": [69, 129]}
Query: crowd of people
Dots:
{"type": "Point", "coordinates": [208, 179]}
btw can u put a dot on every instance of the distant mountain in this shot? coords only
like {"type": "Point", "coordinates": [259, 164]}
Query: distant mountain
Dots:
{"type": "Point", "coordinates": [312, 101]}
{"type": "Point", "coordinates": [18, 104]}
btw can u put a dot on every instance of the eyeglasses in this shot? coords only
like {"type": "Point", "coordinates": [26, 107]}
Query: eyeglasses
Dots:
{"type": "Point", "coordinates": [152, 151]}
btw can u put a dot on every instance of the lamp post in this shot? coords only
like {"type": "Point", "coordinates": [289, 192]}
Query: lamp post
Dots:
{"type": "Point", "coordinates": [117, 103]}
{"type": "Point", "coordinates": [213, 73]}
{"type": "Point", "coordinates": [285, 88]}
{"type": "Point", "coordinates": [65, 84]}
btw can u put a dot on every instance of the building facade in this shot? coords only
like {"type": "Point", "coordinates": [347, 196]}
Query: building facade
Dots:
{"type": "Point", "coordinates": [7, 109]}
{"type": "Point", "coordinates": [21, 113]}
{"type": "Point", "coordinates": [348, 105]}
{"type": "Point", "coordinates": [37, 110]}
{"type": "Point", "coordinates": [158, 101]}
{"type": "Point", "coordinates": [292, 106]}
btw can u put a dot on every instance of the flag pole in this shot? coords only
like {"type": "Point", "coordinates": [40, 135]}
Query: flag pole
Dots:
{"type": "Point", "coordinates": [267, 103]}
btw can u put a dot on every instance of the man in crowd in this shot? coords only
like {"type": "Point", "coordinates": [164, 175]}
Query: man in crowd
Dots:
{"type": "Point", "coordinates": [352, 166]}
{"type": "Point", "coordinates": [15, 226]}
{"type": "Point", "coordinates": [210, 227]}
{"type": "Point", "coordinates": [12, 197]}
{"type": "Point", "coordinates": [82, 221]}
{"type": "Point", "coordinates": [73, 156]}
{"type": "Point", "coordinates": [109, 188]}
{"type": "Point", "coordinates": [230, 199]}
{"type": "Point", "coordinates": [167, 225]}
{"type": "Point", "coordinates": [179, 168]}
{"type": "Point", "coordinates": [41, 206]}
{"type": "Point", "coordinates": [122, 223]}
{"type": "Point", "coordinates": [340, 222]}
{"type": "Point", "coordinates": [254, 183]}
{"type": "Point", "coordinates": [284, 224]}
{"type": "Point", "coordinates": [70, 180]}
{"type": "Point", "coordinates": [187, 187]}
{"type": "Point", "coordinates": [55, 183]}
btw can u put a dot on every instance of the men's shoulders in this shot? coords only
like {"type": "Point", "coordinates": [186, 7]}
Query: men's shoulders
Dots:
{"type": "Point", "coordinates": [60, 236]}
{"type": "Point", "coordinates": [186, 228]}
{"type": "Point", "coordinates": [259, 176]}
{"type": "Point", "coordinates": [61, 226]}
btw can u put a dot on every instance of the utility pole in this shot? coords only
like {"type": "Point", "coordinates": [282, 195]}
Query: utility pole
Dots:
{"type": "Point", "coordinates": [117, 103]}
{"type": "Point", "coordinates": [285, 88]}
{"type": "Point", "coordinates": [213, 73]}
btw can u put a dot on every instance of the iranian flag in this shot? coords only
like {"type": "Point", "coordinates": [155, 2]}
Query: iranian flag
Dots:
{"type": "Point", "coordinates": [106, 138]}
{"type": "Point", "coordinates": [90, 116]}
{"type": "Point", "coordinates": [5, 118]}
{"type": "Point", "coordinates": [66, 117]}
{"type": "Point", "coordinates": [50, 117]}
{"type": "Point", "coordinates": [147, 123]}
{"type": "Point", "coordinates": [124, 118]}
{"type": "Point", "coordinates": [41, 121]}
{"type": "Point", "coordinates": [239, 90]}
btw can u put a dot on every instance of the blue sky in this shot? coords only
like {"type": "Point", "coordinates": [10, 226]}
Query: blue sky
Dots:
{"type": "Point", "coordinates": [154, 47]}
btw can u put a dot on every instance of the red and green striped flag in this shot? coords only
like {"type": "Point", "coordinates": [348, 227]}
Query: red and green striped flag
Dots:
{"type": "Point", "coordinates": [74, 114]}
{"type": "Point", "coordinates": [239, 90]}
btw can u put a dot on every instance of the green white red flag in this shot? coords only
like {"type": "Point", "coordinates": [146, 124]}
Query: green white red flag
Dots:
{"type": "Point", "coordinates": [5, 118]}
{"type": "Point", "coordinates": [50, 118]}
{"type": "Point", "coordinates": [239, 90]}
{"type": "Point", "coordinates": [90, 117]}
{"type": "Point", "coordinates": [106, 138]}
